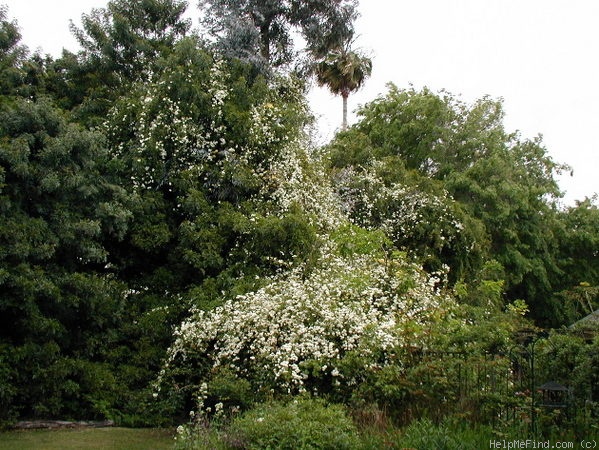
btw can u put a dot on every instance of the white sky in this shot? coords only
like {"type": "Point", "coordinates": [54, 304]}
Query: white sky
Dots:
{"type": "Point", "coordinates": [540, 56]}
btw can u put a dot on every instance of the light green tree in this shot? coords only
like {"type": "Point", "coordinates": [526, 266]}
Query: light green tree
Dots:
{"type": "Point", "coordinates": [504, 184]}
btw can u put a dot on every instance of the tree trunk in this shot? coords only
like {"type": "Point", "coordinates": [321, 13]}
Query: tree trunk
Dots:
{"type": "Point", "coordinates": [265, 41]}
{"type": "Point", "coordinates": [344, 123]}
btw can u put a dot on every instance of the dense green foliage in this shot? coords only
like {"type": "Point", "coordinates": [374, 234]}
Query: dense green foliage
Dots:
{"type": "Point", "coordinates": [106, 231]}
{"type": "Point", "coordinates": [58, 304]}
{"type": "Point", "coordinates": [453, 187]}
{"type": "Point", "coordinates": [171, 241]}
{"type": "Point", "coordinates": [301, 424]}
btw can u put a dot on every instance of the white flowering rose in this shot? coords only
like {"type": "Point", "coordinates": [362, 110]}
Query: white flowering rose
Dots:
{"type": "Point", "coordinates": [294, 333]}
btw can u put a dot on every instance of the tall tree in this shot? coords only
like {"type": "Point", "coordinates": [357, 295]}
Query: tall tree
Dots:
{"type": "Point", "coordinates": [501, 182]}
{"type": "Point", "coordinates": [343, 71]}
{"type": "Point", "coordinates": [11, 53]}
{"type": "Point", "coordinates": [121, 44]}
{"type": "Point", "coordinates": [127, 36]}
{"type": "Point", "coordinates": [260, 30]}
{"type": "Point", "coordinates": [56, 301]}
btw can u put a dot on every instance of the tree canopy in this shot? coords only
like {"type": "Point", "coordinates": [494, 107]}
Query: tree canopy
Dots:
{"type": "Point", "coordinates": [501, 188]}
{"type": "Point", "coordinates": [262, 29]}
{"type": "Point", "coordinates": [128, 37]}
{"type": "Point", "coordinates": [343, 71]}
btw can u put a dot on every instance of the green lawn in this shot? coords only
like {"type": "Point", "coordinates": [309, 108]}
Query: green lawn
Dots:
{"type": "Point", "coordinates": [89, 438]}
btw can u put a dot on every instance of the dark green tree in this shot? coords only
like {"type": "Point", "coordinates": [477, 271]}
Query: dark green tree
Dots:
{"type": "Point", "coordinates": [21, 73]}
{"type": "Point", "coordinates": [121, 44]}
{"type": "Point", "coordinates": [12, 54]}
{"type": "Point", "coordinates": [58, 301]}
{"type": "Point", "coordinates": [127, 37]}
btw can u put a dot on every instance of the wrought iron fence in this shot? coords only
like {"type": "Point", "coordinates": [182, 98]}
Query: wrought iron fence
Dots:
{"type": "Point", "coordinates": [498, 389]}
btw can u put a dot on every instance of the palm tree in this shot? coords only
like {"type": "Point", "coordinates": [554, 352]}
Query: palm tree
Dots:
{"type": "Point", "coordinates": [343, 71]}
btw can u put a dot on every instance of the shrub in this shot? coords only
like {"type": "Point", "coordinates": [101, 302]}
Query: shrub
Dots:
{"type": "Point", "coordinates": [321, 332]}
{"type": "Point", "coordinates": [424, 434]}
{"type": "Point", "coordinates": [303, 423]}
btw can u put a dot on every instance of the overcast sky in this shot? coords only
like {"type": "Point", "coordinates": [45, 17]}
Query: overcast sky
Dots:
{"type": "Point", "coordinates": [540, 56]}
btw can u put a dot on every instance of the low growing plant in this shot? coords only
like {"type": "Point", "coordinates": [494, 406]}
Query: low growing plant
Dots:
{"type": "Point", "coordinates": [304, 423]}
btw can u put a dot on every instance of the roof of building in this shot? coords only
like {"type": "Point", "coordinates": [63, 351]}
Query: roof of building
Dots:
{"type": "Point", "coordinates": [552, 386]}
{"type": "Point", "coordinates": [590, 321]}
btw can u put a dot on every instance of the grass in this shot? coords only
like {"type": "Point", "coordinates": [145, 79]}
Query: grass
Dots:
{"type": "Point", "coordinates": [88, 438]}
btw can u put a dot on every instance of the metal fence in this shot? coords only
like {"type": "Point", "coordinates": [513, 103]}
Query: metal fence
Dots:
{"type": "Point", "coordinates": [497, 389]}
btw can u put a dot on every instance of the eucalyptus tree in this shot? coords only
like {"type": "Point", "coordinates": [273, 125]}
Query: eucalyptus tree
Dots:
{"type": "Point", "coordinates": [343, 71]}
{"type": "Point", "coordinates": [261, 31]}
